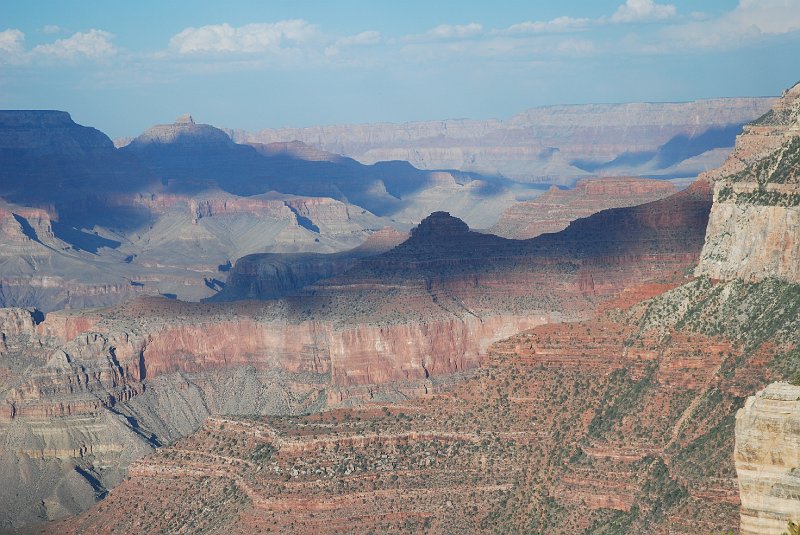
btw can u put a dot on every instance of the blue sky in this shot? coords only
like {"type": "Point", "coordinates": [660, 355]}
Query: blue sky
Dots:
{"type": "Point", "coordinates": [122, 67]}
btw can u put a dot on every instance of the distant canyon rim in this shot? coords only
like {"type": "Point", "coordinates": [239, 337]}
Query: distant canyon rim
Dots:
{"type": "Point", "coordinates": [296, 331]}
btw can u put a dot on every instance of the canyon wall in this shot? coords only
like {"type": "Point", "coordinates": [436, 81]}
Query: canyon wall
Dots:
{"type": "Point", "coordinates": [623, 422]}
{"type": "Point", "coordinates": [554, 210]}
{"type": "Point", "coordinates": [148, 372]}
{"type": "Point", "coordinates": [753, 227]}
{"type": "Point", "coordinates": [768, 459]}
{"type": "Point", "coordinates": [555, 144]}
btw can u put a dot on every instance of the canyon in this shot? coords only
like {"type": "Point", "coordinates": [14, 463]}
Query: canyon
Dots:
{"type": "Point", "coordinates": [623, 421]}
{"type": "Point", "coordinates": [89, 392]}
{"type": "Point", "coordinates": [585, 380]}
{"type": "Point", "coordinates": [87, 223]}
{"type": "Point", "coordinates": [552, 144]}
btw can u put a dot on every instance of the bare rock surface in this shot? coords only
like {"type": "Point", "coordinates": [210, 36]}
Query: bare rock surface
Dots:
{"type": "Point", "coordinates": [384, 330]}
{"type": "Point", "coordinates": [554, 210]}
{"type": "Point", "coordinates": [768, 459]}
{"type": "Point", "coordinates": [753, 229]}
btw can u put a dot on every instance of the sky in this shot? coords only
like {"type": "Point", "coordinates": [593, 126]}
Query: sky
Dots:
{"type": "Point", "coordinates": [124, 66]}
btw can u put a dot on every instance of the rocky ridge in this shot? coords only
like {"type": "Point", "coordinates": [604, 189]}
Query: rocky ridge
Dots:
{"type": "Point", "coordinates": [555, 209]}
{"type": "Point", "coordinates": [555, 144]}
{"type": "Point", "coordinates": [642, 440]}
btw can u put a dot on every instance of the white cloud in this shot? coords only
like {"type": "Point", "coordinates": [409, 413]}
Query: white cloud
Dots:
{"type": "Point", "coordinates": [94, 44]}
{"type": "Point", "coordinates": [769, 16]}
{"type": "Point", "coordinates": [642, 11]}
{"type": "Point", "coordinates": [559, 24]}
{"type": "Point", "coordinates": [449, 31]}
{"type": "Point", "coordinates": [248, 39]}
{"type": "Point", "coordinates": [750, 20]}
{"type": "Point", "coordinates": [364, 38]}
{"type": "Point", "coordinates": [576, 47]}
{"type": "Point", "coordinates": [12, 46]}
{"type": "Point", "coordinates": [51, 28]}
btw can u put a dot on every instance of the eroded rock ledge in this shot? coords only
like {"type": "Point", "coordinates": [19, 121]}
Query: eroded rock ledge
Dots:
{"type": "Point", "coordinates": [768, 459]}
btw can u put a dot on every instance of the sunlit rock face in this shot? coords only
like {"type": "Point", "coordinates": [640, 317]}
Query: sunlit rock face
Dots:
{"type": "Point", "coordinates": [754, 227]}
{"type": "Point", "coordinates": [554, 210]}
{"type": "Point", "coordinates": [768, 459]}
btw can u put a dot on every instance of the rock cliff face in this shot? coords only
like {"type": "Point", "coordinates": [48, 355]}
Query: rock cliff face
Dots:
{"type": "Point", "coordinates": [768, 459]}
{"type": "Point", "coordinates": [192, 157]}
{"type": "Point", "coordinates": [551, 144]}
{"type": "Point", "coordinates": [168, 243]}
{"type": "Point", "coordinates": [554, 210]}
{"type": "Point", "coordinates": [753, 228]}
{"type": "Point", "coordinates": [92, 225]}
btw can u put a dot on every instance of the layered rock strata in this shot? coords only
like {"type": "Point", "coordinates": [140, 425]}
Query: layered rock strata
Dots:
{"type": "Point", "coordinates": [554, 210]}
{"type": "Point", "coordinates": [623, 421]}
{"type": "Point", "coordinates": [768, 459]}
{"type": "Point", "coordinates": [555, 144]}
{"type": "Point", "coordinates": [753, 228]}
{"type": "Point", "coordinates": [388, 328]}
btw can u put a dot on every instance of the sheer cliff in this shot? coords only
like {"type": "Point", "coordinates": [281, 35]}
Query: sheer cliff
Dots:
{"type": "Point", "coordinates": [554, 210]}
{"type": "Point", "coordinates": [768, 459]}
{"type": "Point", "coordinates": [394, 325]}
{"type": "Point", "coordinates": [753, 228]}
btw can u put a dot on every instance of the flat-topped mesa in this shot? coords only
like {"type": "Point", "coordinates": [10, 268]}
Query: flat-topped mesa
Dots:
{"type": "Point", "coordinates": [48, 131]}
{"type": "Point", "coordinates": [46, 158]}
{"type": "Point", "coordinates": [767, 458]}
{"type": "Point", "coordinates": [755, 220]}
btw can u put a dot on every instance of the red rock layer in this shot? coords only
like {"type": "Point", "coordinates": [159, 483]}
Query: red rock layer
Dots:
{"type": "Point", "coordinates": [566, 429]}
{"type": "Point", "coordinates": [554, 210]}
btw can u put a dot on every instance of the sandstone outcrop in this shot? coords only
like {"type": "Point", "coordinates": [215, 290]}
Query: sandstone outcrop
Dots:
{"type": "Point", "coordinates": [768, 459]}
{"type": "Point", "coordinates": [622, 421]}
{"type": "Point", "coordinates": [555, 144]}
{"type": "Point", "coordinates": [753, 228]}
{"type": "Point", "coordinates": [554, 210]}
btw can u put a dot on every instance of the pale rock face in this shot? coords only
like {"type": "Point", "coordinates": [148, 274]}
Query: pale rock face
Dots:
{"type": "Point", "coordinates": [754, 224]}
{"type": "Point", "coordinates": [752, 243]}
{"type": "Point", "coordinates": [768, 460]}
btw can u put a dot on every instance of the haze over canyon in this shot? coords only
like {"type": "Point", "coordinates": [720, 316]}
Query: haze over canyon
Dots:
{"type": "Point", "coordinates": [584, 319]}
